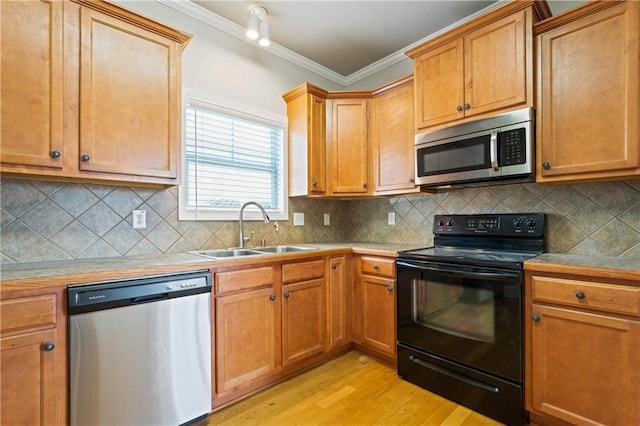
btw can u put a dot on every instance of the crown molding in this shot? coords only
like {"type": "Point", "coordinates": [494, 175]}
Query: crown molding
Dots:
{"type": "Point", "coordinates": [207, 17]}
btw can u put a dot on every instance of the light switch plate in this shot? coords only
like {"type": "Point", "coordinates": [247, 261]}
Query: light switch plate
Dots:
{"type": "Point", "coordinates": [298, 219]}
{"type": "Point", "coordinates": [327, 219]}
{"type": "Point", "coordinates": [391, 218]}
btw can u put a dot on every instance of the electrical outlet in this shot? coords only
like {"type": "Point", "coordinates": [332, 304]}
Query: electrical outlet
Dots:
{"type": "Point", "coordinates": [139, 219]}
{"type": "Point", "coordinates": [298, 219]}
{"type": "Point", "coordinates": [327, 219]}
{"type": "Point", "coordinates": [391, 218]}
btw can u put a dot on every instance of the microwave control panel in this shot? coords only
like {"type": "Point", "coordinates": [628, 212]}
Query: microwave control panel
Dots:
{"type": "Point", "coordinates": [512, 147]}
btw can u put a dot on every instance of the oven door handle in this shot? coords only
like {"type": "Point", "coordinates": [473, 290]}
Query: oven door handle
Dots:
{"type": "Point", "coordinates": [451, 272]}
{"type": "Point", "coordinates": [454, 374]}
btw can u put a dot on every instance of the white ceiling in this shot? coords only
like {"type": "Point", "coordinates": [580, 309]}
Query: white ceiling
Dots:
{"type": "Point", "coordinates": [342, 39]}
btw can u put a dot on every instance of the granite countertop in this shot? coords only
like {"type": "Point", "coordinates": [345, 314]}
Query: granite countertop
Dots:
{"type": "Point", "coordinates": [596, 266]}
{"type": "Point", "coordinates": [54, 273]}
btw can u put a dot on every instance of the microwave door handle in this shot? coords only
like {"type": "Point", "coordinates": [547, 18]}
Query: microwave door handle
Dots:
{"type": "Point", "coordinates": [494, 150]}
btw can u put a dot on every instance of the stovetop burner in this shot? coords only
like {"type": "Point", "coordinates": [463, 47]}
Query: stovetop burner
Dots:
{"type": "Point", "coordinates": [499, 240]}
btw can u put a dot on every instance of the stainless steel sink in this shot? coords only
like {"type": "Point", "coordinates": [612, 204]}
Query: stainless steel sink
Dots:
{"type": "Point", "coordinates": [282, 249]}
{"type": "Point", "coordinates": [215, 254]}
{"type": "Point", "coordinates": [224, 253]}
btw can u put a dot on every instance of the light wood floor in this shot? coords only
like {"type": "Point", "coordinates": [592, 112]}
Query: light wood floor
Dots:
{"type": "Point", "coordinates": [353, 389]}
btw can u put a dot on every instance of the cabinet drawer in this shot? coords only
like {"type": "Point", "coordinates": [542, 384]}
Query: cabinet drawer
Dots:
{"type": "Point", "coordinates": [28, 312]}
{"type": "Point", "coordinates": [243, 279]}
{"type": "Point", "coordinates": [378, 266]}
{"type": "Point", "coordinates": [302, 271]}
{"type": "Point", "coordinates": [606, 297]}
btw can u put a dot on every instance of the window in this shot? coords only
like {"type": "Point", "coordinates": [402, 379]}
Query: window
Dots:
{"type": "Point", "coordinates": [230, 158]}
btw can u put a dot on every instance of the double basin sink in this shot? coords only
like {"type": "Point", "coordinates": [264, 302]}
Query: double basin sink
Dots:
{"type": "Point", "coordinates": [238, 252]}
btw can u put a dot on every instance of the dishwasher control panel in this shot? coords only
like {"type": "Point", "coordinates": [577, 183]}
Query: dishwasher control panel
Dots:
{"type": "Point", "coordinates": [110, 294]}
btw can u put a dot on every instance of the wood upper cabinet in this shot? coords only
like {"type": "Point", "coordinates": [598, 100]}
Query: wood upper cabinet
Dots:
{"type": "Point", "coordinates": [583, 341]}
{"type": "Point", "coordinates": [129, 98]}
{"type": "Point", "coordinates": [348, 143]}
{"type": "Point", "coordinates": [33, 361]}
{"type": "Point", "coordinates": [31, 82]}
{"type": "Point", "coordinates": [112, 115]}
{"type": "Point", "coordinates": [393, 139]}
{"type": "Point", "coordinates": [483, 67]}
{"type": "Point", "coordinates": [588, 93]}
{"type": "Point", "coordinates": [306, 113]}
{"type": "Point", "coordinates": [337, 302]}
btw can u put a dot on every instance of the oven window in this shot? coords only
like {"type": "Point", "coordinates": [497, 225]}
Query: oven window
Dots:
{"type": "Point", "coordinates": [456, 309]}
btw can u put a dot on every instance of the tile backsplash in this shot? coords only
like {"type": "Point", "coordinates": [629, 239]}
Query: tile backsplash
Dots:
{"type": "Point", "coordinates": [53, 221]}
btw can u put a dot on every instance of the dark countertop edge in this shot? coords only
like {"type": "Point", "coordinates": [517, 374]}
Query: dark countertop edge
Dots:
{"type": "Point", "coordinates": [594, 266]}
{"type": "Point", "coordinates": [20, 276]}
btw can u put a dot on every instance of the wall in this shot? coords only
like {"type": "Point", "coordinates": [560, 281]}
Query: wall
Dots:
{"type": "Point", "coordinates": [52, 221]}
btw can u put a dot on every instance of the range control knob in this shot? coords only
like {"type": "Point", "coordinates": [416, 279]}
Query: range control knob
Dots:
{"type": "Point", "coordinates": [441, 222]}
{"type": "Point", "coordinates": [517, 223]}
{"type": "Point", "coordinates": [449, 222]}
{"type": "Point", "coordinates": [531, 223]}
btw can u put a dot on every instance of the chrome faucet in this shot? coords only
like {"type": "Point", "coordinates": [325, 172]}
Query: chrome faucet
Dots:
{"type": "Point", "coordinates": [265, 216]}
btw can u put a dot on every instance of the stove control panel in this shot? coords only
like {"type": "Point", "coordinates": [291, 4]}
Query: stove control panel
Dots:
{"type": "Point", "coordinates": [507, 224]}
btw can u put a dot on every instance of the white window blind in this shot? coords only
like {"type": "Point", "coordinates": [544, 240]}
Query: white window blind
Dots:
{"type": "Point", "coordinates": [231, 157]}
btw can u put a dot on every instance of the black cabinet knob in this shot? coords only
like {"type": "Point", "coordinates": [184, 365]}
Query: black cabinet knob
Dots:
{"type": "Point", "coordinates": [85, 158]}
{"type": "Point", "coordinates": [286, 295]}
{"type": "Point", "coordinates": [580, 295]}
{"type": "Point", "coordinates": [55, 154]}
{"type": "Point", "coordinates": [314, 184]}
{"type": "Point", "coordinates": [459, 108]}
{"type": "Point", "coordinates": [546, 165]}
{"type": "Point", "coordinates": [334, 266]}
{"type": "Point", "coordinates": [48, 347]}
{"type": "Point", "coordinates": [272, 297]}
{"type": "Point", "coordinates": [364, 185]}
{"type": "Point", "coordinates": [390, 288]}
{"type": "Point", "coordinates": [535, 317]}
{"type": "Point", "coordinates": [467, 106]}
{"type": "Point", "coordinates": [412, 180]}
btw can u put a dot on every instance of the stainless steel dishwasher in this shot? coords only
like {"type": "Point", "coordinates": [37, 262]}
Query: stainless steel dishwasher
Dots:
{"type": "Point", "coordinates": [140, 350]}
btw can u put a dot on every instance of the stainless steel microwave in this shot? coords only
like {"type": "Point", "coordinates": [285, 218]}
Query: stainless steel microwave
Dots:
{"type": "Point", "coordinates": [497, 149]}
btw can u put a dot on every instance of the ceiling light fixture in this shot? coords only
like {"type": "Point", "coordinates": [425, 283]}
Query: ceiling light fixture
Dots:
{"type": "Point", "coordinates": [258, 27]}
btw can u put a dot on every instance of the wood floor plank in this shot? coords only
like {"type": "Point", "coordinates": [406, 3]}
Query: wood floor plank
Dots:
{"type": "Point", "coordinates": [353, 389]}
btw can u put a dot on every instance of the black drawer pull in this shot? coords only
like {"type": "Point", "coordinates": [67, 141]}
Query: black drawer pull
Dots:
{"type": "Point", "coordinates": [580, 295]}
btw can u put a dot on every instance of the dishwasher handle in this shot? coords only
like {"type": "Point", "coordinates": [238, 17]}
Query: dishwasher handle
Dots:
{"type": "Point", "coordinates": [151, 298]}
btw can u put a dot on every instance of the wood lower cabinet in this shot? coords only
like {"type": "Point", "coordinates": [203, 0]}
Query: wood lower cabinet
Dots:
{"type": "Point", "coordinates": [303, 320]}
{"type": "Point", "coordinates": [112, 115]}
{"type": "Point", "coordinates": [482, 67]}
{"type": "Point", "coordinates": [377, 307]}
{"type": "Point", "coordinates": [33, 361]}
{"type": "Point", "coordinates": [582, 341]}
{"type": "Point", "coordinates": [588, 93]}
{"type": "Point", "coordinates": [392, 139]}
{"type": "Point", "coordinates": [337, 302]}
{"type": "Point", "coordinates": [246, 307]}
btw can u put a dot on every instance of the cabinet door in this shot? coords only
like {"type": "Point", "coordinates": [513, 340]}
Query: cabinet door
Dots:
{"type": "Point", "coordinates": [28, 379]}
{"type": "Point", "coordinates": [392, 140]}
{"type": "Point", "coordinates": [31, 81]}
{"type": "Point", "coordinates": [317, 145]}
{"type": "Point", "coordinates": [495, 65]}
{"type": "Point", "coordinates": [350, 146]}
{"type": "Point", "coordinates": [585, 367]}
{"type": "Point", "coordinates": [129, 118]}
{"type": "Point", "coordinates": [303, 320]}
{"type": "Point", "coordinates": [337, 306]}
{"type": "Point", "coordinates": [378, 309]}
{"type": "Point", "coordinates": [245, 337]}
{"type": "Point", "coordinates": [439, 85]}
{"type": "Point", "coordinates": [588, 97]}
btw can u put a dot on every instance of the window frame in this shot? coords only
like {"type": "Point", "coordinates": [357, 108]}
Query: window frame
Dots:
{"type": "Point", "coordinates": [243, 112]}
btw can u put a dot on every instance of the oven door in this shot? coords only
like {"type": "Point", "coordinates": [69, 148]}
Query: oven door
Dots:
{"type": "Point", "coordinates": [465, 314]}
